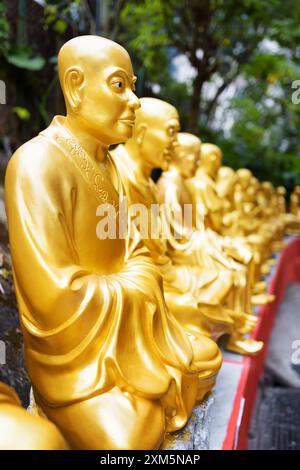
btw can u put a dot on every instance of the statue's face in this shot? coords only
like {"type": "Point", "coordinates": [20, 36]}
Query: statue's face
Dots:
{"type": "Point", "coordinates": [160, 141]}
{"type": "Point", "coordinates": [212, 164]}
{"type": "Point", "coordinates": [108, 103]}
{"type": "Point", "coordinates": [226, 180]}
{"type": "Point", "coordinates": [244, 178]}
{"type": "Point", "coordinates": [187, 158]}
{"type": "Point", "coordinates": [267, 188]}
{"type": "Point", "coordinates": [281, 191]}
{"type": "Point", "coordinates": [253, 187]}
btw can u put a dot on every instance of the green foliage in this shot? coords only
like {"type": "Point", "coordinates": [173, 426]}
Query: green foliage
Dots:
{"type": "Point", "coordinates": [4, 30]}
{"type": "Point", "coordinates": [249, 45]}
{"type": "Point", "coordinates": [23, 58]}
{"type": "Point", "coordinates": [252, 45]}
{"type": "Point", "coordinates": [22, 113]}
{"type": "Point", "coordinates": [145, 36]}
{"type": "Point", "coordinates": [51, 19]}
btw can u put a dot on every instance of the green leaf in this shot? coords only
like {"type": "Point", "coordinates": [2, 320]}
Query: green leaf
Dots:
{"type": "Point", "coordinates": [22, 113]}
{"type": "Point", "coordinates": [60, 26]}
{"type": "Point", "coordinates": [23, 60]}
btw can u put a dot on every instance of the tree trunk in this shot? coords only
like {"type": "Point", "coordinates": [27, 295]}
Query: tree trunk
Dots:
{"type": "Point", "coordinates": [195, 104]}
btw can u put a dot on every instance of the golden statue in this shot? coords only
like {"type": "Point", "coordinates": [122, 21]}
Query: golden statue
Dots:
{"type": "Point", "coordinates": [295, 201]}
{"type": "Point", "coordinates": [279, 216]}
{"type": "Point", "coordinates": [207, 205]}
{"type": "Point", "coordinates": [269, 215]}
{"type": "Point", "coordinates": [219, 213]}
{"type": "Point", "coordinates": [226, 180]}
{"type": "Point", "coordinates": [281, 202]}
{"type": "Point", "coordinates": [250, 205]}
{"type": "Point", "coordinates": [109, 364]}
{"type": "Point", "coordinates": [292, 218]}
{"type": "Point", "coordinates": [204, 191]}
{"type": "Point", "coordinates": [230, 228]}
{"type": "Point", "coordinates": [174, 193]}
{"type": "Point", "coordinates": [19, 430]}
{"type": "Point", "coordinates": [155, 133]}
{"type": "Point", "coordinates": [203, 187]}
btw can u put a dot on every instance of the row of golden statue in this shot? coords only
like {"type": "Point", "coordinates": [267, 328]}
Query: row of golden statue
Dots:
{"type": "Point", "coordinates": [121, 334]}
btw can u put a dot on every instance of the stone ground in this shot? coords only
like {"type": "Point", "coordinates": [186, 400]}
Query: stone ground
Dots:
{"type": "Point", "coordinates": [276, 419]}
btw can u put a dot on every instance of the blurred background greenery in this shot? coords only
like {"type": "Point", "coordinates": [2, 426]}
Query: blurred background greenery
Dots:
{"type": "Point", "coordinates": [227, 65]}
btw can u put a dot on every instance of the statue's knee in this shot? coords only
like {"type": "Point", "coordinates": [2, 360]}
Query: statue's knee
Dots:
{"type": "Point", "coordinates": [115, 420]}
{"type": "Point", "coordinates": [139, 424]}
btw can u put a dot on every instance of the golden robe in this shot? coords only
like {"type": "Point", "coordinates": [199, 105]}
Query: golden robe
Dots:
{"type": "Point", "coordinates": [230, 288]}
{"type": "Point", "coordinates": [204, 195]}
{"type": "Point", "coordinates": [182, 284]}
{"type": "Point", "coordinates": [192, 246]}
{"type": "Point", "coordinates": [92, 310]}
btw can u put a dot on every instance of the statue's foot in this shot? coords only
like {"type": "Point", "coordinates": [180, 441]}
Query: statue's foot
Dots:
{"type": "Point", "coordinates": [248, 325]}
{"type": "Point", "coordinates": [244, 322]}
{"type": "Point", "coordinates": [260, 287]}
{"type": "Point", "coordinates": [240, 345]}
{"type": "Point", "coordinates": [216, 320]}
{"type": "Point", "coordinates": [207, 362]}
{"type": "Point", "coordinates": [207, 357]}
{"type": "Point", "coordinates": [249, 319]}
{"type": "Point", "coordinates": [262, 299]}
{"type": "Point", "coordinates": [205, 387]}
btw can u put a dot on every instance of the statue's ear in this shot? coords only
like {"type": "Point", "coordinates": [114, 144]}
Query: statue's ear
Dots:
{"type": "Point", "coordinates": [73, 83]}
{"type": "Point", "coordinates": [140, 135]}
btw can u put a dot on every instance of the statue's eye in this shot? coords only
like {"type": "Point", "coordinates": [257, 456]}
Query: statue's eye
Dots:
{"type": "Point", "coordinates": [118, 84]}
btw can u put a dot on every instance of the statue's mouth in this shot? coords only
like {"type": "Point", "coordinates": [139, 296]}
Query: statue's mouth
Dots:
{"type": "Point", "coordinates": [129, 121]}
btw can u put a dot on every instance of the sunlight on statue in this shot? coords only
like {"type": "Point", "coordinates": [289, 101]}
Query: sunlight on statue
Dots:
{"type": "Point", "coordinates": [109, 364]}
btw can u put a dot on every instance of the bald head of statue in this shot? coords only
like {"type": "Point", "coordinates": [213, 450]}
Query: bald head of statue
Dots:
{"type": "Point", "coordinates": [97, 81]}
{"type": "Point", "coordinates": [155, 131]}
{"type": "Point", "coordinates": [281, 191]}
{"type": "Point", "coordinates": [268, 188]}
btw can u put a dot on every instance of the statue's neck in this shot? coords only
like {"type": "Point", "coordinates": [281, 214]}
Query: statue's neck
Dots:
{"type": "Point", "coordinates": [140, 162]}
{"type": "Point", "coordinates": [202, 169]}
{"type": "Point", "coordinates": [175, 170]}
{"type": "Point", "coordinates": [93, 146]}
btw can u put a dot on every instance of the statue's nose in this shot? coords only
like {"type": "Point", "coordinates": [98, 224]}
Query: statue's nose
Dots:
{"type": "Point", "coordinates": [134, 102]}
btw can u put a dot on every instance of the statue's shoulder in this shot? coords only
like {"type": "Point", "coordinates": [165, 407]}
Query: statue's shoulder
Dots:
{"type": "Point", "coordinates": [202, 179]}
{"type": "Point", "coordinates": [36, 158]}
